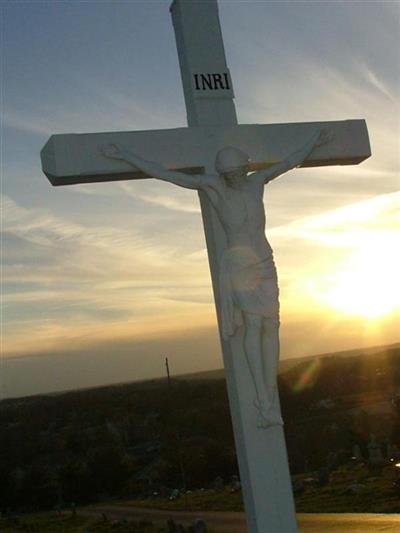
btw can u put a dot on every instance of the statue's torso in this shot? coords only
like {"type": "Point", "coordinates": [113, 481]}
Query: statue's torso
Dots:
{"type": "Point", "coordinates": [242, 215]}
{"type": "Point", "coordinates": [248, 279]}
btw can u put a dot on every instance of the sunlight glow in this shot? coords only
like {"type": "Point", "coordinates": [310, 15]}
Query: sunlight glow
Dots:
{"type": "Point", "coordinates": [368, 283]}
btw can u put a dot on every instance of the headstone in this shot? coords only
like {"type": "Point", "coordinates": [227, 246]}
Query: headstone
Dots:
{"type": "Point", "coordinates": [235, 484]}
{"type": "Point", "coordinates": [323, 476]}
{"type": "Point", "coordinates": [375, 458]}
{"type": "Point", "coordinates": [356, 488]}
{"type": "Point", "coordinates": [374, 451]}
{"type": "Point", "coordinates": [218, 483]}
{"type": "Point", "coordinates": [357, 455]}
{"type": "Point", "coordinates": [172, 526]}
{"type": "Point", "coordinates": [199, 526]}
{"type": "Point", "coordinates": [394, 452]}
{"type": "Point", "coordinates": [174, 494]}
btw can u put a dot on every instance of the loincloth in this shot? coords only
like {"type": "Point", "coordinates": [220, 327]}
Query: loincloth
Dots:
{"type": "Point", "coordinates": [247, 284]}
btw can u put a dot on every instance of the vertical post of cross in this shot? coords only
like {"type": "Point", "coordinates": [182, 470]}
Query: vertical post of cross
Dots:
{"type": "Point", "coordinates": [261, 453]}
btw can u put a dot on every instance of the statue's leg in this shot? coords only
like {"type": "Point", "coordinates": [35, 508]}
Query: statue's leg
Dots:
{"type": "Point", "coordinates": [270, 348]}
{"type": "Point", "coordinates": [254, 355]}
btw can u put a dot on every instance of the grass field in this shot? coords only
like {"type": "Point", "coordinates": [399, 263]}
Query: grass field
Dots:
{"type": "Point", "coordinates": [53, 522]}
{"type": "Point", "coordinates": [374, 494]}
{"type": "Point", "coordinates": [65, 523]}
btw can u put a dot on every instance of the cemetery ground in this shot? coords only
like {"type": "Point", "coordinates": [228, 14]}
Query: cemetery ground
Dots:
{"type": "Point", "coordinates": [352, 488]}
{"type": "Point", "coordinates": [132, 447]}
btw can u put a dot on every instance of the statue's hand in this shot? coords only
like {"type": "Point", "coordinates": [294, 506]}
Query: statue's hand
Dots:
{"type": "Point", "coordinates": [325, 136]}
{"type": "Point", "coordinates": [113, 151]}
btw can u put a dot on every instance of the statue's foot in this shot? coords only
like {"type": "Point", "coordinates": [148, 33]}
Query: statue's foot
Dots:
{"type": "Point", "coordinates": [267, 415]}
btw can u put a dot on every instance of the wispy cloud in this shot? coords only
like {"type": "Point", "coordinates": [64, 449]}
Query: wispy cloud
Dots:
{"type": "Point", "coordinates": [48, 120]}
{"type": "Point", "coordinates": [189, 205]}
{"type": "Point", "coordinates": [344, 227]}
{"type": "Point", "coordinates": [86, 276]}
{"type": "Point", "coordinates": [97, 108]}
{"type": "Point", "coordinates": [378, 83]}
{"type": "Point", "coordinates": [354, 242]}
{"type": "Point", "coordinates": [27, 122]}
{"type": "Point", "coordinates": [40, 226]}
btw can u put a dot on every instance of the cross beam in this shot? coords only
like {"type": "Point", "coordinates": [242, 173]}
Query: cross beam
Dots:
{"type": "Point", "coordinates": [69, 159]}
{"type": "Point", "coordinates": [75, 158]}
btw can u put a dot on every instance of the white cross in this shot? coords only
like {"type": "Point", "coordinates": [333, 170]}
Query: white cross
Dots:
{"type": "Point", "coordinates": [273, 149]}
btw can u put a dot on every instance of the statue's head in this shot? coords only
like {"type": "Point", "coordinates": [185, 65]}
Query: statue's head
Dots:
{"type": "Point", "coordinates": [232, 163]}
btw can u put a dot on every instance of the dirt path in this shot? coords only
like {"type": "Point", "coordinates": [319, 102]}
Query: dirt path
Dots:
{"type": "Point", "coordinates": [236, 523]}
{"type": "Point", "coordinates": [224, 522]}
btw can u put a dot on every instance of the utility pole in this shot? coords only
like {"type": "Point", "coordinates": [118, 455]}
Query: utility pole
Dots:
{"type": "Point", "coordinates": [177, 436]}
{"type": "Point", "coordinates": [168, 374]}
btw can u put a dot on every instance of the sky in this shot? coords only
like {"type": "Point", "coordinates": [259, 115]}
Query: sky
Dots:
{"type": "Point", "coordinates": [101, 282]}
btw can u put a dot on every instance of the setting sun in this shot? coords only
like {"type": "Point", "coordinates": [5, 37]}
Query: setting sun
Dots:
{"type": "Point", "coordinates": [368, 284]}
{"type": "Point", "coordinates": [356, 270]}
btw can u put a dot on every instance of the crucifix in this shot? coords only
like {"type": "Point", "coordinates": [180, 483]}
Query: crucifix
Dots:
{"type": "Point", "coordinates": [229, 165]}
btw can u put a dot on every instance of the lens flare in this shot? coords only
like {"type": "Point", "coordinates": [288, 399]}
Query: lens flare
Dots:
{"type": "Point", "coordinates": [308, 377]}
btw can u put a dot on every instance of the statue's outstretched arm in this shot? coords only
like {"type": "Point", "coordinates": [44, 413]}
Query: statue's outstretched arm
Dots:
{"type": "Point", "coordinates": [116, 151]}
{"type": "Point", "coordinates": [295, 159]}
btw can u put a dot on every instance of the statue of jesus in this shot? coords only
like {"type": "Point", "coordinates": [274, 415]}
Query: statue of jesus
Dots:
{"type": "Point", "coordinates": [248, 286]}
